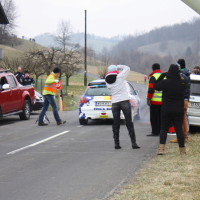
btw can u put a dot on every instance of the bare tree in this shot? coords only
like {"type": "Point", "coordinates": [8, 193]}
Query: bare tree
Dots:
{"type": "Point", "coordinates": [11, 63]}
{"type": "Point", "coordinates": [102, 70]}
{"type": "Point", "coordinates": [64, 35]}
{"type": "Point", "coordinates": [105, 56]}
{"type": "Point", "coordinates": [47, 57]}
{"type": "Point", "coordinates": [10, 10]}
{"type": "Point", "coordinates": [33, 65]}
{"type": "Point", "coordinates": [71, 63]}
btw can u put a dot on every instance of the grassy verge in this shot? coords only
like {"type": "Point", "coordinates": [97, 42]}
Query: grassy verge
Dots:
{"type": "Point", "coordinates": [168, 177]}
{"type": "Point", "coordinates": [71, 101]}
{"type": "Point", "coordinates": [133, 76]}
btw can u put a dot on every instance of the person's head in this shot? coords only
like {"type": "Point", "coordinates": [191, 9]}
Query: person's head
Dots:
{"type": "Point", "coordinates": [57, 71]}
{"type": "Point", "coordinates": [196, 70]}
{"type": "Point", "coordinates": [26, 74]}
{"type": "Point", "coordinates": [111, 76]}
{"type": "Point", "coordinates": [155, 66]}
{"type": "Point", "coordinates": [173, 72]}
{"type": "Point", "coordinates": [181, 62]}
{"type": "Point", "coordinates": [19, 69]}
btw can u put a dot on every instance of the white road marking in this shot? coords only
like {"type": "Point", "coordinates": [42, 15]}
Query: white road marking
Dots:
{"type": "Point", "coordinates": [37, 143]}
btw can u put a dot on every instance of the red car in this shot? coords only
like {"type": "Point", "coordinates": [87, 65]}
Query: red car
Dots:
{"type": "Point", "coordinates": [14, 98]}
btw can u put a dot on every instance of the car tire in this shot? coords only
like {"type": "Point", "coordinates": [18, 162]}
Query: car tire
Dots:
{"type": "Point", "coordinates": [83, 121]}
{"type": "Point", "coordinates": [25, 115]}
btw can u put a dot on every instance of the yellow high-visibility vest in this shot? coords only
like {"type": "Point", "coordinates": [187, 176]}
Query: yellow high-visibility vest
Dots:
{"type": "Point", "coordinates": [157, 96]}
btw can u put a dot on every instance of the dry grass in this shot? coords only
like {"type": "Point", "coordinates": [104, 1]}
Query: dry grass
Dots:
{"type": "Point", "coordinates": [168, 177]}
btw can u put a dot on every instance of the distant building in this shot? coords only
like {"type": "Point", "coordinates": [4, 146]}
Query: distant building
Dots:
{"type": "Point", "coordinates": [3, 17]}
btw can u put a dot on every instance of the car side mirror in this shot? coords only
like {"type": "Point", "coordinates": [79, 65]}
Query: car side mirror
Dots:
{"type": "Point", "coordinates": [6, 86]}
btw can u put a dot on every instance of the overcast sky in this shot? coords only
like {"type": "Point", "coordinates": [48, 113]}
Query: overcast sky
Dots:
{"type": "Point", "coordinates": [104, 17]}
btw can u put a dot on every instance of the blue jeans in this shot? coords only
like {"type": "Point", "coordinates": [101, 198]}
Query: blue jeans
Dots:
{"type": "Point", "coordinates": [126, 109]}
{"type": "Point", "coordinates": [49, 99]}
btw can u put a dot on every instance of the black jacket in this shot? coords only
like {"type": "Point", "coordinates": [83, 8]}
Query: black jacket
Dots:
{"type": "Point", "coordinates": [28, 81]}
{"type": "Point", "coordinates": [185, 73]}
{"type": "Point", "coordinates": [19, 76]}
{"type": "Point", "coordinates": [173, 90]}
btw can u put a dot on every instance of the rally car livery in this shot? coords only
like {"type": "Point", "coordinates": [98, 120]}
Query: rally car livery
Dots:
{"type": "Point", "coordinates": [96, 102]}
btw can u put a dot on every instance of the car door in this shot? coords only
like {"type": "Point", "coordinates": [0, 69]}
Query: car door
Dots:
{"type": "Point", "coordinates": [6, 105]}
{"type": "Point", "coordinates": [15, 96]}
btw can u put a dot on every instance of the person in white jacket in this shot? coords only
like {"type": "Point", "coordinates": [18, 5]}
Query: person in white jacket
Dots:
{"type": "Point", "coordinates": [116, 82]}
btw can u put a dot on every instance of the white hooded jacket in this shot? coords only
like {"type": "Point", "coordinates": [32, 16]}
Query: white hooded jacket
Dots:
{"type": "Point", "coordinates": [119, 86]}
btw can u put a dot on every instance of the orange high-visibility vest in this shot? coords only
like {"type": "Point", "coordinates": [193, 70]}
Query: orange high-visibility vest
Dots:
{"type": "Point", "coordinates": [50, 88]}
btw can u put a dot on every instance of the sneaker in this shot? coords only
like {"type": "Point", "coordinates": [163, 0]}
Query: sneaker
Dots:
{"type": "Point", "coordinates": [61, 122]}
{"type": "Point", "coordinates": [117, 147]}
{"type": "Point", "coordinates": [42, 124]}
{"type": "Point", "coordinates": [135, 146]}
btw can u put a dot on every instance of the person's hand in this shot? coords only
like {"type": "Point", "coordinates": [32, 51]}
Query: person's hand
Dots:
{"type": "Point", "coordinates": [148, 102]}
{"type": "Point", "coordinates": [56, 81]}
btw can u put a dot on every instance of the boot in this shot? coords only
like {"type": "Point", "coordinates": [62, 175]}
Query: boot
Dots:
{"type": "Point", "coordinates": [182, 151]}
{"type": "Point", "coordinates": [133, 140]}
{"type": "Point", "coordinates": [117, 145]}
{"type": "Point", "coordinates": [161, 149]}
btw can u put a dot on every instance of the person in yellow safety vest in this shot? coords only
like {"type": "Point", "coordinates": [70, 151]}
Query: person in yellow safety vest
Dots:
{"type": "Point", "coordinates": [49, 93]}
{"type": "Point", "coordinates": [154, 100]}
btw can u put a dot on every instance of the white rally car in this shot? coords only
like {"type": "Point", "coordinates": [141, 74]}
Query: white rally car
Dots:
{"type": "Point", "coordinates": [96, 102]}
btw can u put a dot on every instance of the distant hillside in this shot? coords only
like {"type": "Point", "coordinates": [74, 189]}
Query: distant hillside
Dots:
{"type": "Point", "coordinates": [164, 45]}
{"type": "Point", "coordinates": [95, 42]}
{"type": "Point", "coordinates": [18, 50]}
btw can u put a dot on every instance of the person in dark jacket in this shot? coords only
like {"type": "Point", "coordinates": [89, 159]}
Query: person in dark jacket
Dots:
{"type": "Point", "coordinates": [28, 80]}
{"type": "Point", "coordinates": [185, 73]}
{"type": "Point", "coordinates": [173, 90]}
{"type": "Point", "coordinates": [19, 75]}
{"type": "Point", "coordinates": [154, 101]}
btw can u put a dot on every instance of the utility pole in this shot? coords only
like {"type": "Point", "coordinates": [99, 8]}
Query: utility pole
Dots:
{"type": "Point", "coordinates": [85, 73]}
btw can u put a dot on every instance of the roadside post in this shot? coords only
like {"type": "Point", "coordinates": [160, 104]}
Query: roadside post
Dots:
{"type": "Point", "coordinates": [61, 101]}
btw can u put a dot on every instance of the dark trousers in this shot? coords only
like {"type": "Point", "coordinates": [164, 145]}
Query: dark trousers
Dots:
{"type": "Point", "coordinates": [155, 119]}
{"type": "Point", "coordinates": [49, 99]}
{"type": "Point", "coordinates": [177, 120]}
{"type": "Point", "coordinates": [125, 107]}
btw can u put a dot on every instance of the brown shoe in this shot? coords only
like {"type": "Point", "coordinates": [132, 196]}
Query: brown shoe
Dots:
{"type": "Point", "coordinates": [182, 151]}
{"type": "Point", "coordinates": [161, 149]}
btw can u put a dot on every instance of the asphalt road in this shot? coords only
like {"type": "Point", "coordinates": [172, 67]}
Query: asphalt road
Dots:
{"type": "Point", "coordinates": [69, 162]}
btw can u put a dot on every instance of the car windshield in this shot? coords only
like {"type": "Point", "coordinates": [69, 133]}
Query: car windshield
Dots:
{"type": "Point", "coordinates": [98, 91]}
{"type": "Point", "coordinates": [195, 88]}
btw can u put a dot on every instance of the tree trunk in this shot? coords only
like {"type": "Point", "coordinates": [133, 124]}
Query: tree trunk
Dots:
{"type": "Point", "coordinates": [36, 82]}
{"type": "Point", "coordinates": [67, 83]}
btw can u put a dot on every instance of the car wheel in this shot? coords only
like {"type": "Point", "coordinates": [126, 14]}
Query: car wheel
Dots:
{"type": "Point", "coordinates": [83, 121]}
{"type": "Point", "coordinates": [25, 115]}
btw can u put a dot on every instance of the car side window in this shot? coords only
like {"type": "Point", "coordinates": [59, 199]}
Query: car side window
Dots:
{"type": "Point", "coordinates": [13, 84]}
{"type": "Point", "coordinates": [3, 81]}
